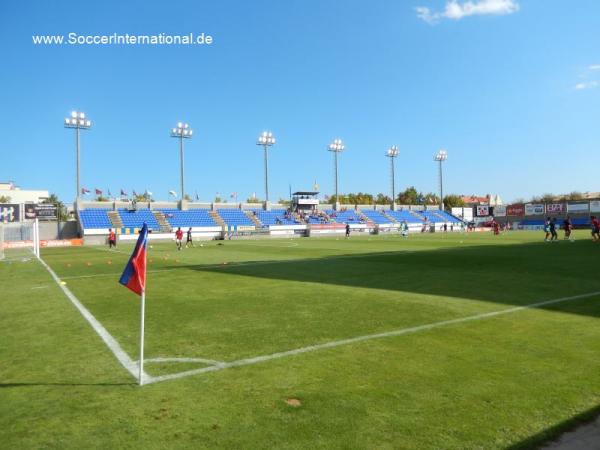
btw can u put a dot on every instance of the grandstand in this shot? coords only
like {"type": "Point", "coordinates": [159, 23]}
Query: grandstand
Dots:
{"type": "Point", "coordinates": [376, 217]}
{"type": "Point", "coordinates": [95, 218]}
{"type": "Point", "coordinates": [135, 219]}
{"type": "Point", "coordinates": [194, 218]}
{"type": "Point", "coordinates": [235, 218]}
{"type": "Point", "coordinates": [274, 217]}
{"type": "Point", "coordinates": [405, 215]}
{"type": "Point", "coordinates": [348, 216]}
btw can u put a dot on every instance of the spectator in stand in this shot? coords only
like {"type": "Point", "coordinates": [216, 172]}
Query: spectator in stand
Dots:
{"type": "Point", "coordinates": [568, 227]}
{"type": "Point", "coordinates": [112, 238]}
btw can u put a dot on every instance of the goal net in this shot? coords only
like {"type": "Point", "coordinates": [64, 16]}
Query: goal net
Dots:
{"type": "Point", "coordinates": [19, 240]}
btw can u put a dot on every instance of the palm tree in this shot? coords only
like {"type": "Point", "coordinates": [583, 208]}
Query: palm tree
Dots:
{"type": "Point", "coordinates": [61, 211]}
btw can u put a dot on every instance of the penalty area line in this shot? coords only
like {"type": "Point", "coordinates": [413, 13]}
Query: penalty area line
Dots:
{"type": "Point", "coordinates": [131, 366]}
{"type": "Point", "coordinates": [368, 337]}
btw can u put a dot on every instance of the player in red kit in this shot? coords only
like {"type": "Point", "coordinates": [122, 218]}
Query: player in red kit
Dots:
{"type": "Point", "coordinates": [112, 238]}
{"type": "Point", "coordinates": [179, 238]}
{"type": "Point", "coordinates": [595, 229]}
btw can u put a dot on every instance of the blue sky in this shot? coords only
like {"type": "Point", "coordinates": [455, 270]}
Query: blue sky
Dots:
{"type": "Point", "coordinates": [510, 88]}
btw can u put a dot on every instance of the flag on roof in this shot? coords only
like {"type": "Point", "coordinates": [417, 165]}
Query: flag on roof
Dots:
{"type": "Point", "coordinates": [123, 193]}
{"type": "Point", "coordinates": [85, 191]}
{"type": "Point", "coordinates": [98, 191]}
{"type": "Point", "coordinates": [134, 275]}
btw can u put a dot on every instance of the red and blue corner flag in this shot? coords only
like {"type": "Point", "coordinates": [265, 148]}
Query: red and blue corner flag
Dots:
{"type": "Point", "coordinates": [134, 275]}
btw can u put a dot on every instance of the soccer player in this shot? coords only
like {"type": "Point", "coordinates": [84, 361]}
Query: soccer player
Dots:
{"type": "Point", "coordinates": [179, 238]}
{"type": "Point", "coordinates": [595, 229]}
{"type": "Point", "coordinates": [547, 229]}
{"type": "Point", "coordinates": [404, 228]}
{"type": "Point", "coordinates": [112, 238]}
{"type": "Point", "coordinates": [553, 232]}
{"type": "Point", "coordinates": [188, 241]}
{"type": "Point", "coordinates": [568, 227]}
{"type": "Point", "coordinates": [347, 230]}
{"type": "Point", "coordinates": [496, 226]}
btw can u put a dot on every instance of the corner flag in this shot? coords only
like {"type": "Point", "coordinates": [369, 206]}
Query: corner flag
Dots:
{"type": "Point", "coordinates": [134, 278]}
{"type": "Point", "coordinates": [134, 275]}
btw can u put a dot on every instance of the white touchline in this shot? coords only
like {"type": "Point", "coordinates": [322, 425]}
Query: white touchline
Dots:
{"type": "Point", "coordinates": [210, 362]}
{"type": "Point", "coordinates": [326, 345]}
{"type": "Point", "coordinates": [111, 343]}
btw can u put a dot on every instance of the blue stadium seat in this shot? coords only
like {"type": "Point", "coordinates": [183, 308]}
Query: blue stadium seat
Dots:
{"type": "Point", "coordinates": [376, 217]}
{"type": "Point", "coordinates": [95, 218]}
{"type": "Point", "coordinates": [403, 215]}
{"type": "Point", "coordinates": [348, 216]}
{"type": "Point", "coordinates": [235, 217]}
{"type": "Point", "coordinates": [273, 217]}
{"type": "Point", "coordinates": [136, 219]}
{"type": "Point", "coordinates": [190, 218]}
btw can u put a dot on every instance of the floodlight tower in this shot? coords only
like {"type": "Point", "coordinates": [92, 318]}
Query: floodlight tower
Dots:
{"type": "Point", "coordinates": [182, 131]}
{"type": "Point", "coordinates": [440, 157]}
{"type": "Point", "coordinates": [392, 153]}
{"type": "Point", "coordinates": [336, 147]}
{"type": "Point", "coordinates": [266, 139]}
{"type": "Point", "coordinates": [78, 122]}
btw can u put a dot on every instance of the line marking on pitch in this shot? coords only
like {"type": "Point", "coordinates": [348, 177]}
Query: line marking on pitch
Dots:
{"type": "Point", "coordinates": [131, 366]}
{"type": "Point", "coordinates": [368, 337]}
{"type": "Point", "coordinates": [210, 362]}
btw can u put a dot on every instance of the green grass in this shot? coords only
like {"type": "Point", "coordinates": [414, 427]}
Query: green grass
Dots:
{"type": "Point", "coordinates": [508, 381]}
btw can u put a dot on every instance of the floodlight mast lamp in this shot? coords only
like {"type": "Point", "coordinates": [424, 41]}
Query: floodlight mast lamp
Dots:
{"type": "Point", "coordinates": [337, 146]}
{"type": "Point", "coordinates": [77, 121]}
{"type": "Point", "coordinates": [440, 157]}
{"type": "Point", "coordinates": [266, 139]}
{"type": "Point", "coordinates": [182, 131]}
{"type": "Point", "coordinates": [392, 153]}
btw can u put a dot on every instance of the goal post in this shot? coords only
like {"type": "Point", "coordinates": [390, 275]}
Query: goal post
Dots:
{"type": "Point", "coordinates": [20, 240]}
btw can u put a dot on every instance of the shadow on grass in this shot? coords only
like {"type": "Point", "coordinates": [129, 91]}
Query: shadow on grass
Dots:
{"type": "Point", "coordinates": [551, 434]}
{"type": "Point", "coordinates": [508, 274]}
{"type": "Point", "coordinates": [35, 384]}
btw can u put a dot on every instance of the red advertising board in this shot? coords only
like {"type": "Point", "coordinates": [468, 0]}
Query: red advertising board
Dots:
{"type": "Point", "coordinates": [556, 208]}
{"type": "Point", "coordinates": [515, 210]}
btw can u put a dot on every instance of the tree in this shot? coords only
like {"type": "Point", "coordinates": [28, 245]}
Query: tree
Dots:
{"type": "Point", "coordinates": [187, 197]}
{"type": "Point", "coordinates": [252, 200]}
{"type": "Point", "coordinates": [453, 201]}
{"type": "Point", "coordinates": [101, 198]}
{"type": "Point", "coordinates": [575, 195]}
{"type": "Point", "coordinates": [409, 196]}
{"type": "Point", "coordinates": [430, 199]}
{"type": "Point", "coordinates": [383, 199]}
{"type": "Point", "coordinates": [61, 211]}
{"type": "Point", "coordinates": [547, 198]}
{"type": "Point", "coordinates": [4, 199]}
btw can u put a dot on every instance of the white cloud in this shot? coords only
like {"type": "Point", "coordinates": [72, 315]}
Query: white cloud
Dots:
{"type": "Point", "coordinates": [594, 67]}
{"type": "Point", "coordinates": [456, 10]}
{"type": "Point", "coordinates": [586, 85]}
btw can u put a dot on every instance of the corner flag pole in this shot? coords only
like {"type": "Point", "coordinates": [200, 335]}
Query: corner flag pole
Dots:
{"type": "Point", "coordinates": [142, 311]}
{"type": "Point", "coordinates": [134, 279]}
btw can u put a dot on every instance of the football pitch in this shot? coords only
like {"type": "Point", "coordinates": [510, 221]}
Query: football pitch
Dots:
{"type": "Point", "coordinates": [458, 341]}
